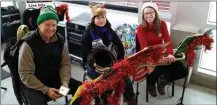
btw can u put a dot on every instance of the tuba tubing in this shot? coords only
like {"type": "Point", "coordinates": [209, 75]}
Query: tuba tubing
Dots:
{"type": "Point", "coordinates": [101, 59]}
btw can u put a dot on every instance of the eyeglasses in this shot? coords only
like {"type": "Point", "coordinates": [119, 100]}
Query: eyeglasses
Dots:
{"type": "Point", "coordinates": [149, 13]}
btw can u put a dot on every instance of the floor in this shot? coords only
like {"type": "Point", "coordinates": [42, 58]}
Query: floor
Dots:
{"type": "Point", "coordinates": [194, 94]}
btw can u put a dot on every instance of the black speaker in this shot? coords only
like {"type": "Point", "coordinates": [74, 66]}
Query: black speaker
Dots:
{"type": "Point", "coordinates": [30, 16]}
{"type": "Point", "coordinates": [75, 31]}
{"type": "Point", "coordinates": [10, 19]}
{"type": "Point", "coordinates": [61, 30]}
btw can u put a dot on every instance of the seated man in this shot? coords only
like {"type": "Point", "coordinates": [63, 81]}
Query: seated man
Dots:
{"type": "Point", "coordinates": [44, 63]}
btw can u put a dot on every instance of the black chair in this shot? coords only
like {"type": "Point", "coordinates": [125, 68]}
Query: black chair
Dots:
{"type": "Point", "coordinates": [147, 96]}
{"type": "Point", "coordinates": [97, 99]}
{"type": "Point", "coordinates": [137, 90]}
{"type": "Point", "coordinates": [178, 57]}
{"type": "Point", "coordinates": [17, 85]}
{"type": "Point", "coordinates": [4, 88]}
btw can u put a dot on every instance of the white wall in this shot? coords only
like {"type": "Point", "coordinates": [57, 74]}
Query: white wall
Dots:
{"type": "Point", "coordinates": [190, 16]}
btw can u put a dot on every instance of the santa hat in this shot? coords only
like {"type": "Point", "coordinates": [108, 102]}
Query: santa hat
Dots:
{"type": "Point", "coordinates": [150, 4]}
{"type": "Point", "coordinates": [97, 9]}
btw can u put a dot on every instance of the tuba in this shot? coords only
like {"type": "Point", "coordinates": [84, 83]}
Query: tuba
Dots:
{"type": "Point", "coordinates": [101, 59]}
{"type": "Point", "coordinates": [22, 31]}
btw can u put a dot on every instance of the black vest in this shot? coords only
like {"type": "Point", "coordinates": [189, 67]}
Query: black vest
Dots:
{"type": "Point", "coordinates": [47, 58]}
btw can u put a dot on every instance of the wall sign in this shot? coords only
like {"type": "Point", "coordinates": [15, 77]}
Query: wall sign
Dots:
{"type": "Point", "coordinates": [38, 3]}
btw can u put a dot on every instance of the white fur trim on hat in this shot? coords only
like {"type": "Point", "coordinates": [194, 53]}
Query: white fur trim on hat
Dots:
{"type": "Point", "coordinates": [151, 4]}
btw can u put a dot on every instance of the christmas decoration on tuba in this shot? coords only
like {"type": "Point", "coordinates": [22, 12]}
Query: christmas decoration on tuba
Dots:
{"type": "Point", "coordinates": [111, 78]}
{"type": "Point", "coordinates": [137, 66]}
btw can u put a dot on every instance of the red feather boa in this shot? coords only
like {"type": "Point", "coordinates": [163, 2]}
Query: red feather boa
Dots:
{"type": "Point", "coordinates": [63, 8]}
{"type": "Point", "coordinates": [204, 40]}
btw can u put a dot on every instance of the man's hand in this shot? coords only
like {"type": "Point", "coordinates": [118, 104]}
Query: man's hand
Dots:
{"type": "Point", "coordinates": [53, 93]}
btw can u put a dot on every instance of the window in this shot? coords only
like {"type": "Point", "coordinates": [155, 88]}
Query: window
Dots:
{"type": "Point", "coordinates": [163, 5]}
{"type": "Point", "coordinates": [132, 6]}
{"type": "Point", "coordinates": [118, 12]}
{"type": "Point", "coordinates": [125, 3]}
{"type": "Point", "coordinates": [207, 63]}
{"type": "Point", "coordinates": [38, 3]}
{"type": "Point", "coordinates": [212, 13]}
{"type": "Point", "coordinates": [7, 3]}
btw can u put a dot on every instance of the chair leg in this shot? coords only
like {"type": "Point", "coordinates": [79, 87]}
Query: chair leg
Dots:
{"type": "Point", "coordinates": [137, 93]}
{"type": "Point", "coordinates": [147, 75]}
{"type": "Point", "coordinates": [25, 102]}
{"type": "Point", "coordinates": [84, 76]}
{"type": "Point", "coordinates": [4, 88]}
{"type": "Point", "coordinates": [173, 87]}
{"type": "Point", "coordinates": [183, 92]}
{"type": "Point", "coordinates": [146, 91]}
{"type": "Point", "coordinates": [97, 100]}
{"type": "Point", "coordinates": [66, 99]}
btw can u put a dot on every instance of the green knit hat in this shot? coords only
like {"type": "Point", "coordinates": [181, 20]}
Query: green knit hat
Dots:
{"type": "Point", "coordinates": [46, 13]}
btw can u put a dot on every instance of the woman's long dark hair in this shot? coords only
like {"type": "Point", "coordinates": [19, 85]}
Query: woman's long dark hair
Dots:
{"type": "Point", "coordinates": [157, 24]}
{"type": "Point", "coordinates": [93, 25]}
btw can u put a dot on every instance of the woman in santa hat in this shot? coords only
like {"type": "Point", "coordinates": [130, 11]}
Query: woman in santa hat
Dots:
{"type": "Point", "coordinates": [154, 31]}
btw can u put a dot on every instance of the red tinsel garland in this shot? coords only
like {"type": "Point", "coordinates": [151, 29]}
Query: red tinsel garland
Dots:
{"type": "Point", "coordinates": [114, 98]}
{"type": "Point", "coordinates": [114, 81]}
{"type": "Point", "coordinates": [94, 89]}
{"type": "Point", "coordinates": [204, 40]}
{"type": "Point", "coordinates": [63, 8]}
